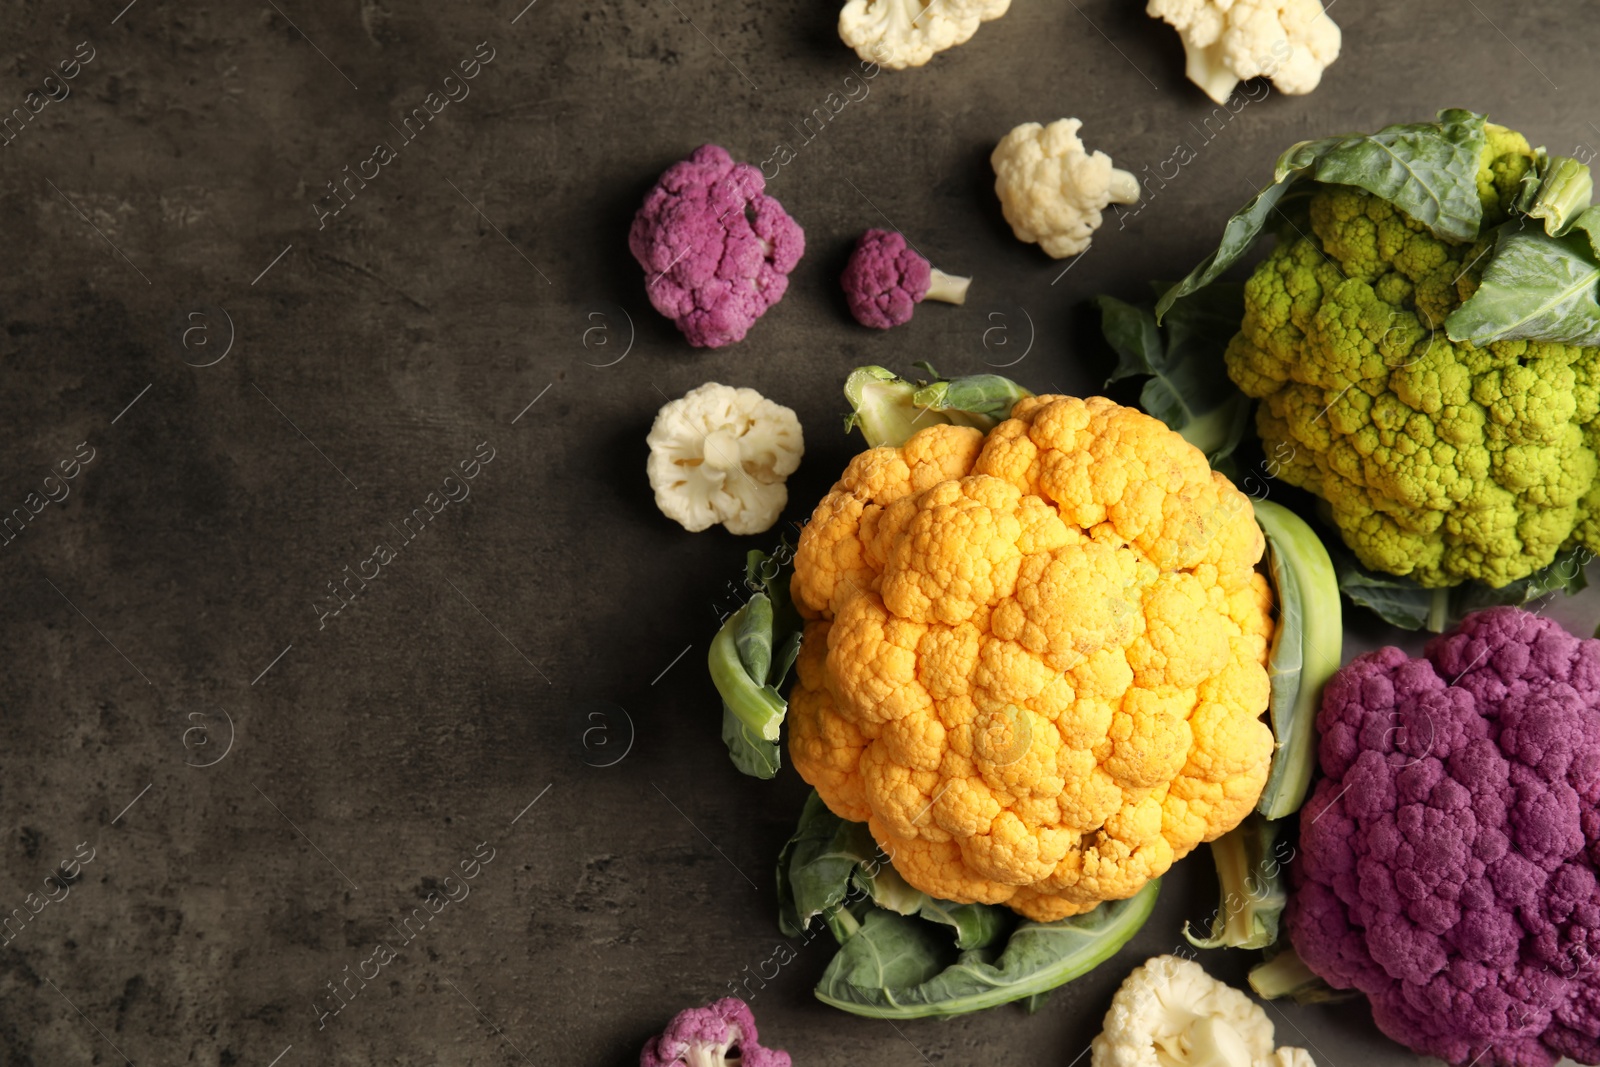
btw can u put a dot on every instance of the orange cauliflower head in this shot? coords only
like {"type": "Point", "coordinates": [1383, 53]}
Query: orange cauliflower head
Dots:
{"type": "Point", "coordinates": [1034, 661]}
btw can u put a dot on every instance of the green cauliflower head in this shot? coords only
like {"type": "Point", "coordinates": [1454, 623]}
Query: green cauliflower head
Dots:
{"type": "Point", "coordinates": [1439, 461]}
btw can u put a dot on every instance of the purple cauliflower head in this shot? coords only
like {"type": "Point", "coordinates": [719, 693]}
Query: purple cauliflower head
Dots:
{"type": "Point", "coordinates": [1448, 856]}
{"type": "Point", "coordinates": [721, 1034]}
{"type": "Point", "coordinates": [716, 250]}
{"type": "Point", "coordinates": [885, 280]}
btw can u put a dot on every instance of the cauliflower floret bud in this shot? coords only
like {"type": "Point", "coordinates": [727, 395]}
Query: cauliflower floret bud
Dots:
{"type": "Point", "coordinates": [1052, 190]}
{"type": "Point", "coordinates": [1448, 857]}
{"type": "Point", "coordinates": [716, 250]}
{"type": "Point", "coordinates": [1037, 662]}
{"type": "Point", "coordinates": [1229, 41]}
{"type": "Point", "coordinates": [1170, 1012]}
{"type": "Point", "coordinates": [720, 454]}
{"type": "Point", "coordinates": [886, 279]}
{"type": "Point", "coordinates": [721, 1034]}
{"type": "Point", "coordinates": [907, 33]}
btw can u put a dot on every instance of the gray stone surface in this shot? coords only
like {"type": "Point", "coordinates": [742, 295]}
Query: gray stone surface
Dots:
{"type": "Point", "coordinates": [267, 789]}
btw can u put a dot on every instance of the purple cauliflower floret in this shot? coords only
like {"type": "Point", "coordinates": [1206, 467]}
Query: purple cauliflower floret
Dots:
{"type": "Point", "coordinates": [721, 1034]}
{"type": "Point", "coordinates": [885, 280]}
{"type": "Point", "coordinates": [716, 250]}
{"type": "Point", "coordinates": [1448, 856]}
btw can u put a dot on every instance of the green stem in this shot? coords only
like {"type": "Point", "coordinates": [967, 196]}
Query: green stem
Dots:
{"type": "Point", "coordinates": [841, 923]}
{"type": "Point", "coordinates": [1438, 611]}
{"type": "Point", "coordinates": [1286, 975]}
{"type": "Point", "coordinates": [759, 707]}
{"type": "Point", "coordinates": [1565, 190]}
{"type": "Point", "coordinates": [1280, 976]}
{"type": "Point", "coordinates": [1252, 892]}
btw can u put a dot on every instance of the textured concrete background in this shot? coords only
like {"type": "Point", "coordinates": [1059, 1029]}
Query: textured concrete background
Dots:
{"type": "Point", "coordinates": [267, 788]}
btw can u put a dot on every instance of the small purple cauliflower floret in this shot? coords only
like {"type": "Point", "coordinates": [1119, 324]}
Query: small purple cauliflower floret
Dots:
{"type": "Point", "coordinates": [885, 280]}
{"type": "Point", "coordinates": [716, 250]}
{"type": "Point", "coordinates": [721, 1034]}
{"type": "Point", "coordinates": [1448, 858]}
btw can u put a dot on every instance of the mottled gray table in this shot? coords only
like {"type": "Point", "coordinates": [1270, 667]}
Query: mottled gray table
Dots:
{"type": "Point", "coordinates": [267, 389]}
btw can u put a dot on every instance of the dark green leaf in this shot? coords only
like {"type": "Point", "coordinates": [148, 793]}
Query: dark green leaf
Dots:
{"type": "Point", "coordinates": [750, 753]}
{"type": "Point", "coordinates": [973, 925]}
{"type": "Point", "coordinates": [771, 575]}
{"type": "Point", "coordinates": [1405, 604]}
{"type": "Point", "coordinates": [815, 865]}
{"type": "Point", "coordinates": [900, 968]}
{"type": "Point", "coordinates": [1133, 335]}
{"type": "Point", "coordinates": [1565, 574]}
{"type": "Point", "coordinates": [1188, 386]}
{"type": "Point", "coordinates": [888, 954]}
{"type": "Point", "coordinates": [1534, 286]}
{"type": "Point", "coordinates": [1528, 184]}
{"type": "Point", "coordinates": [1428, 170]}
{"type": "Point", "coordinates": [827, 856]}
{"type": "Point", "coordinates": [1238, 236]}
{"type": "Point", "coordinates": [988, 396]}
{"type": "Point", "coordinates": [749, 659]}
{"type": "Point", "coordinates": [753, 638]}
{"type": "Point", "coordinates": [785, 656]}
{"type": "Point", "coordinates": [1205, 324]}
{"type": "Point", "coordinates": [976, 925]}
{"type": "Point", "coordinates": [1397, 601]}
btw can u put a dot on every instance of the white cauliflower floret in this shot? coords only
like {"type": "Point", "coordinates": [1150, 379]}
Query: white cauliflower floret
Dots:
{"type": "Point", "coordinates": [1052, 190]}
{"type": "Point", "coordinates": [721, 454]}
{"type": "Point", "coordinates": [907, 33]}
{"type": "Point", "coordinates": [1229, 41]}
{"type": "Point", "coordinates": [1171, 1013]}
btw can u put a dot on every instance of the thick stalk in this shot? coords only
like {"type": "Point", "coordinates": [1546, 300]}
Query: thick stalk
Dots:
{"type": "Point", "coordinates": [947, 288]}
{"type": "Point", "coordinates": [1124, 187]}
{"type": "Point", "coordinates": [1438, 611]}
{"type": "Point", "coordinates": [1249, 875]}
{"type": "Point", "coordinates": [1565, 190]}
{"type": "Point", "coordinates": [1306, 651]}
{"type": "Point", "coordinates": [759, 707]}
{"type": "Point", "coordinates": [1286, 975]}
